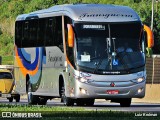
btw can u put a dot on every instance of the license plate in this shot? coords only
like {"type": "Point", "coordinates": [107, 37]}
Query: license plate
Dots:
{"type": "Point", "coordinates": [112, 92]}
{"type": "Point", "coordinates": [5, 95]}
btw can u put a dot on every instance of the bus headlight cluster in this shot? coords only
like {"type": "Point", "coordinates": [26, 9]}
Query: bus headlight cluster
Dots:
{"type": "Point", "coordinates": [141, 79]}
{"type": "Point", "coordinates": [138, 80]}
{"type": "Point", "coordinates": [84, 80]}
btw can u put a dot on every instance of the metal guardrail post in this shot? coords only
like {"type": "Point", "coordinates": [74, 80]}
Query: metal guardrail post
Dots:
{"type": "Point", "coordinates": [153, 71]}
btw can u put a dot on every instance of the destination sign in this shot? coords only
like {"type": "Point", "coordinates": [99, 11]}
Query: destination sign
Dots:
{"type": "Point", "coordinates": [97, 27]}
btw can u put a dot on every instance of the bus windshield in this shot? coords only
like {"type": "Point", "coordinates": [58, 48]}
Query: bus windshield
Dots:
{"type": "Point", "coordinates": [109, 47]}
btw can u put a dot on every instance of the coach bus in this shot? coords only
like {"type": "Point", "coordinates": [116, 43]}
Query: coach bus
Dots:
{"type": "Point", "coordinates": [81, 52]}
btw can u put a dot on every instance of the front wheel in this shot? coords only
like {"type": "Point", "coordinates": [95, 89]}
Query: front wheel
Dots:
{"type": "Point", "coordinates": [90, 102]}
{"type": "Point", "coordinates": [126, 102]}
{"type": "Point", "coordinates": [67, 101]}
{"type": "Point", "coordinates": [87, 102]}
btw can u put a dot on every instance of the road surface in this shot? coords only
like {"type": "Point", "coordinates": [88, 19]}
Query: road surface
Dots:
{"type": "Point", "coordinates": [100, 105]}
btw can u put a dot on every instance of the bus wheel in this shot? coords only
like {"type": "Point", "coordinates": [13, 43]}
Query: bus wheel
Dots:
{"type": "Point", "coordinates": [125, 102]}
{"type": "Point", "coordinates": [10, 99]}
{"type": "Point", "coordinates": [81, 102]}
{"type": "Point", "coordinates": [89, 102]}
{"type": "Point", "coordinates": [42, 101]}
{"type": "Point", "coordinates": [32, 99]}
{"type": "Point", "coordinates": [67, 101]}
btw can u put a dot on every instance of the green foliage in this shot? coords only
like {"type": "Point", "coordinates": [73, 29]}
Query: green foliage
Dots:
{"type": "Point", "coordinates": [34, 5]}
{"type": "Point", "coordinates": [7, 60]}
{"type": "Point", "coordinates": [6, 48]}
{"type": "Point", "coordinates": [149, 52]}
{"type": "Point", "coordinates": [12, 8]}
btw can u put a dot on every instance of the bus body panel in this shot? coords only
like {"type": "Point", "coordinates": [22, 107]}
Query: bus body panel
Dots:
{"type": "Point", "coordinates": [48, 67]}
{"type": "Point", "coordinates": [87, 12]}
{"type": "Point", "coordinates": [98, 85]}
{"type": "Point", "coordinates": [46, 78]}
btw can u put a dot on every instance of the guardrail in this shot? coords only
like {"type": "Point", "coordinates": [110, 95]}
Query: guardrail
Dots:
{"type": "Point", "coordinates": [153, 69]}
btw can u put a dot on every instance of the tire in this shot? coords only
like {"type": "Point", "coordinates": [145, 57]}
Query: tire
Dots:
{"type": "Point", "coordinates": [80, 102]}
{"type": "Point", "coordinates": [89, 102]}
{"type": "Point", "coordinates": [67, 101]}
{"type": "Point", "coordinates": [42, 101]}
{"type": "Point", "coordinates": [32, 99]}
{"type": "Point", "coordinates": [17, 98]}
{"type": "Point", "coordinates": [126, 102]}
{"type": "Point", "coordinates": [10, 99]}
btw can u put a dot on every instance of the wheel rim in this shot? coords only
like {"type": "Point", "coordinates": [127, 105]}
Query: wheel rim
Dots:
{"type": "Point", "coordinates": [29, 97]}
{"type": "Point", "coordinates": [64, 96]}
{"type": "Point", "coordinates": [29, 93]}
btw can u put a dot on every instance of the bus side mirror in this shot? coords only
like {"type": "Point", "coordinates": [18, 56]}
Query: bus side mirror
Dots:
{"type": "Point", "coordinates": [70, 35]}
{"type": "Point", "coordinates": [150, 37]}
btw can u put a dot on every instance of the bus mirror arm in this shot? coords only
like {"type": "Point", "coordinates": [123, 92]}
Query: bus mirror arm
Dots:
{"type": "Point", "coordinates": [150, 37]}
{"type": "Point", "coordinates": [70, 36]}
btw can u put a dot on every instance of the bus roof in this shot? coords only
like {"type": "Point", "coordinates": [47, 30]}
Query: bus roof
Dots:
{"type": "Point", "coordinates": [86, 12]}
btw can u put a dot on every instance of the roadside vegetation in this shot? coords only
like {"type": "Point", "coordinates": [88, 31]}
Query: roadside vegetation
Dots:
{"type": "Point", "coordinates": [72, 113]}
{"type": "Point", "coordinates": [11, 8]}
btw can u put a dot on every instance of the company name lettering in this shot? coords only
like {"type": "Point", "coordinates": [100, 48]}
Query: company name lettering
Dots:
{"type": "Point", "coordinates": [103, 15]}
{"type": "Point", "coordinates": [54, 58]}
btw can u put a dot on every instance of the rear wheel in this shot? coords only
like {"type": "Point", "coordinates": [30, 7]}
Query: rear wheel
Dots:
{"type": "Point", "coordinates": [67, 101]}
{"type": "Point", "coordinates": [125, 102]}
{"type": "Point", "coordinates": [32, 99]}
{"type": "Point", "coordinates": [42, 101]}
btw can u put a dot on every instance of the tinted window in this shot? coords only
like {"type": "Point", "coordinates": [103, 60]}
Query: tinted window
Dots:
{"type": "Point", "coordinates": [5, 75]}
{"type": "Point", "coordinates": [39, 32]}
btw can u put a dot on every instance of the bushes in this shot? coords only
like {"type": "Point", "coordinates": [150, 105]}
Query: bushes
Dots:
{"type": "Point", "coordinates": [11, 8]}
{"type": "Point", "coordinates": [6, 45]}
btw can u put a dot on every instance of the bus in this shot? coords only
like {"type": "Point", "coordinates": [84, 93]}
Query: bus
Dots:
{"type": "Point", "coordinates": [81, 52]}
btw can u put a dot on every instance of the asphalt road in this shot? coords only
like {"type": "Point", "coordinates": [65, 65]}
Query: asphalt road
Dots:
{"type": "Point", "coordinates": [101, 105]}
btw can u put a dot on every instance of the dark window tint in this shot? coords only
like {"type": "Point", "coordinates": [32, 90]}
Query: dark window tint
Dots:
{"type": "Point", "coordinates": [5, 75]}
{"type": "Point", "coordinates": [39, 32]}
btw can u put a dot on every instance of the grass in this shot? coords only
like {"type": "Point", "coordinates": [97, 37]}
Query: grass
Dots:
{"type": "Point", "coordinates": [71, 113]}
{"type": "Point", "coordinates": [17, 107]}
{"type": "Point", "coordinates": [7, 60]}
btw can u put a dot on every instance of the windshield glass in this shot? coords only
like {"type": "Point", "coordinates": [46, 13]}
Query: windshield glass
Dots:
{"type": "Point", "coordinates": [109, 47]}
{"type": "Point", "coordinates": [5, 75]}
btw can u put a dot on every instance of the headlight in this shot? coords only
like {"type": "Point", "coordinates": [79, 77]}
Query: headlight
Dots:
{"type": "Point", "coordinates": [141, 79]}
{"type": "Point", "coordinates": [83, 79]}
{"type": "Point", "coordinates": [138, 80]}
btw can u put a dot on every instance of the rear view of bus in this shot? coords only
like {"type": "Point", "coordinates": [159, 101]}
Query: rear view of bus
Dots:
{"type": "Point", "coordinates": [86, 52]}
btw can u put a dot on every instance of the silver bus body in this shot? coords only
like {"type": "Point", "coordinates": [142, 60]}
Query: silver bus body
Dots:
{"type": "Point", "coordinates": [52, 65]}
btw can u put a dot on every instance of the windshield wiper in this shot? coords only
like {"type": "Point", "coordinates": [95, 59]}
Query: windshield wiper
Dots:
{"type": "Point", "coordinates": [108, 50]}
{"type": "Point", "coordinates": [122, 60]}
{"type": "Point", "coordinates": [100, 61]}
{"type": "Point", "coordinates": [135, 67]}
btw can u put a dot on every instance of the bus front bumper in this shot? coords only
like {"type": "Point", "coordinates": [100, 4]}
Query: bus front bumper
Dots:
{"type": "Point", "coordinates": [97, 92]}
